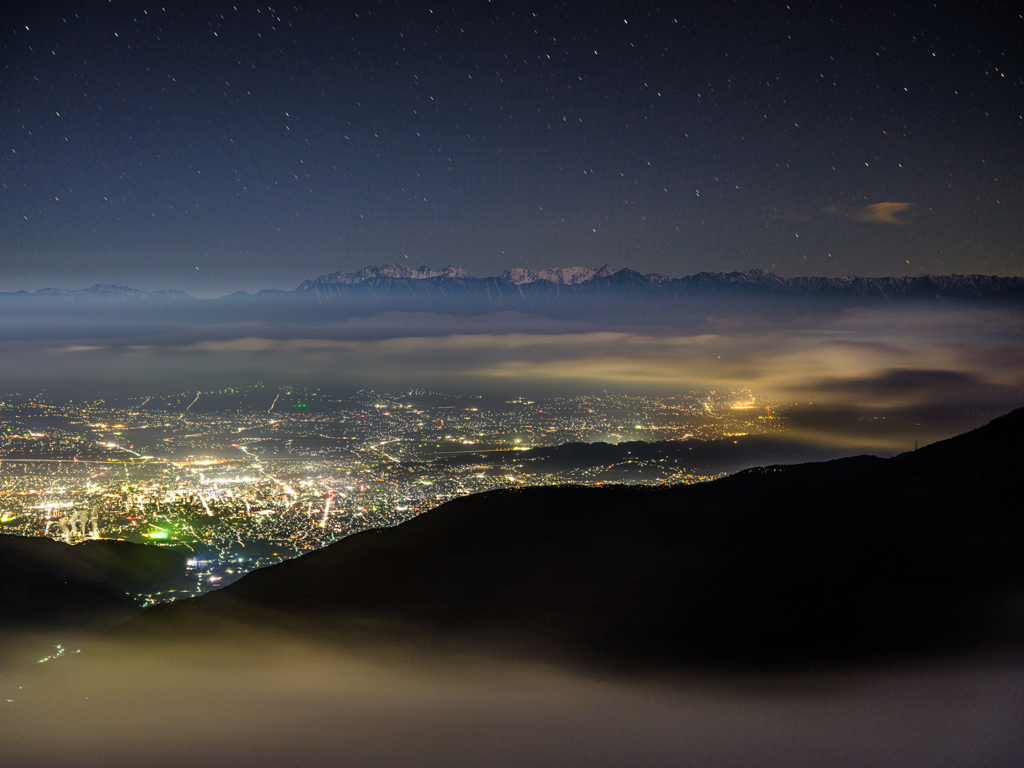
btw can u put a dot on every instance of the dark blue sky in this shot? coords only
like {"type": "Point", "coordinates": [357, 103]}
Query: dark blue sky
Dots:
{"type": "Point", "coordinates": [265, 144]}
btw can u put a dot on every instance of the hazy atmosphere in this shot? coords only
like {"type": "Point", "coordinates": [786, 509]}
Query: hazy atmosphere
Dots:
{"type": "Point", "coordinates": [927, 371]}
{"type": "Point", "coordinates": [282, 702]}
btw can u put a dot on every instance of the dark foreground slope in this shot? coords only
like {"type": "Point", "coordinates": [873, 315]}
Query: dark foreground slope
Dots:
{"type": "Point", "coordinates": [854, 558]}
{"type": "Point", "coordinates": [51, 589]}
{"type": "Point", "coordinates": [635, 460]}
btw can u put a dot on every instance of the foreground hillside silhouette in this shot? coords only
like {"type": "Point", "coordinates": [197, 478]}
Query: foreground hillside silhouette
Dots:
{"type": "Point", "coordinates": [850, 559]}
{"type": "Point", "coordinates": [51, 591]}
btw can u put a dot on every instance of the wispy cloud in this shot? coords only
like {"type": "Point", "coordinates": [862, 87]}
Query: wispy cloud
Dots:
{"type": "Point", "coordinates": [877, 213]}
{"type": "Point", "coordinates": [882, 213]}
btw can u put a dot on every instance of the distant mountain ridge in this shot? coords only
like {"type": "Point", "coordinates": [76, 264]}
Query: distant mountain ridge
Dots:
{"type": "Point", "coordinates": [517, 276]}
{"type": "Point", "coordinates": [752, 280]}
{"type": "Point", "coordinates": [394, 271]}
{"type": "Point", "coordinates": [399, 287]}
{"type": "Point", "coordinates": [111, 291]}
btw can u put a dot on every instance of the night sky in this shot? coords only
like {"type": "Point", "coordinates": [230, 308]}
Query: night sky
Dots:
{"type": "Point", "coordinates": [213, 146]}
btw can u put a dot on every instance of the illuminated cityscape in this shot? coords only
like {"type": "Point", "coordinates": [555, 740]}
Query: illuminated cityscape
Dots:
{"type": "Point", "coordinates": [243, 478]}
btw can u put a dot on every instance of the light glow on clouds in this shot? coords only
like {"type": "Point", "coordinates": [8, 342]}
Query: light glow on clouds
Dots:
{"type": "Point", "coordinates": [946, 359]}
{"type": "Point", "coordinates": [801, 357]}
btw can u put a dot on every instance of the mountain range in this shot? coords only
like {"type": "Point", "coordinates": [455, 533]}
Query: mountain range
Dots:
{"type": "Point", "coordinates": [846, 560]}
{"type": "Point", "coordinates": [399, 282]}
{"type": "Point", "coordinates": [756, 279]}
{"type": "Point", "coordinates": [518, 276]}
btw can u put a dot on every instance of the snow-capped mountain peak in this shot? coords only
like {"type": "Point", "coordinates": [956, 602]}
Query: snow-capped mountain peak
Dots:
{"type": "Point", "coordinates": [399, 271]}
{"type": "Point", "coordinates": [558, 276]}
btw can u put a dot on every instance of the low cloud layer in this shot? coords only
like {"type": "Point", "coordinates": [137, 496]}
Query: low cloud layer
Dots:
{"type": "Point", "coordinates": [867, 362]}
{"type": "Point", "coordinates": [271, 701]}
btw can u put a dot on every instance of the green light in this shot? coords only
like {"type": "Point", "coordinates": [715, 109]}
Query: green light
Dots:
{"type": "Point", "coordinates": [299, 405]}
{"type": "Point", "coordinates": [157, 534]}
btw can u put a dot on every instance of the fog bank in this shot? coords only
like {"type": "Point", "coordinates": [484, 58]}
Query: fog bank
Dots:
{"type": "Point", "coordinates": [280, 701]}
{"type": "Point", "coordinates": [870, 378]}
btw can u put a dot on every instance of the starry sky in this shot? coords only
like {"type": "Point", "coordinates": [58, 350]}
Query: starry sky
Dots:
{"type": "Point", "coordinates": [215, 146]}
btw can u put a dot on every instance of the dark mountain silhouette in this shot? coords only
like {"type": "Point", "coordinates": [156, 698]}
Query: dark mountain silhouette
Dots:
{"type": "Point", "coordinates": [111, 292]}
{"type": "Point", "coordinates": [849, 559]}
{"type": "Point", "coordinates": [579, 281]}
{"type": "Point", "coordinates": [51, 588]}
{"type": "Point", "coordinates": [621, 293]}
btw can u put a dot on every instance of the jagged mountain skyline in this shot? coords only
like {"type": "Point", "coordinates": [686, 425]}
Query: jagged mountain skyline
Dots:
{"type": "Point", "coordinates": [579, 276]}
{"type": "Point", "coordinates": [517, 276]}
